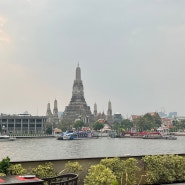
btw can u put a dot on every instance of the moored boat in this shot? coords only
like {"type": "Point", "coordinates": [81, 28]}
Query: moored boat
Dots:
{"type": "Point", "coordinates": [158, 135]}
{"type": "Point", "coordinates": [153, 136]}
{"type": "Point", "coordinates": [7, 138]}
{"type": "Point", "coordinates": [170, 137]}
{"type": "Point", "coordinates": [12, 138]}
{"type": "Point", "coordinates": [76, 135]}
{"type": "Point", "coordinates": [178, 133]}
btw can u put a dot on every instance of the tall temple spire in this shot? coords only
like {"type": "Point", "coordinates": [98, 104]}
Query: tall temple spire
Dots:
{"type": "Point", "coordinates": [78, 89]}
{"type": "Point", "coordinates": [78, 73]}
{"type": "Point", "coordinates": [77, 107]}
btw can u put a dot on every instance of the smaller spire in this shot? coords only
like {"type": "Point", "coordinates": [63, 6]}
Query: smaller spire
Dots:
{"type": "Point", "coordinates": [95, 109]}
{"type": "Point", "coordinates": [95, 106]}
{"type": "Point", "coordinates": [48, 112]}
{"type": "Point", "coordinates": [55, 110]}
{"type": "Point", "coordinates": [109, 111]}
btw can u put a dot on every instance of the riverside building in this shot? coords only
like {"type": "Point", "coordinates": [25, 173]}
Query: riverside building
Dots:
{"type": "Point", "coordinates": [22, 124]}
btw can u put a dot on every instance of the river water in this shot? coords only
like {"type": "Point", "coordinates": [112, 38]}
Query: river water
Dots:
{"type": "Point", "coordinates": [51, 148]}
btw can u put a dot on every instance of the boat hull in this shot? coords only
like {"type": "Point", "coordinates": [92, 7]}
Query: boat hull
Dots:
{"type": "Point", "coordinates": [7, 138]}
{"type": "Point", "coordinates": [167, 137]}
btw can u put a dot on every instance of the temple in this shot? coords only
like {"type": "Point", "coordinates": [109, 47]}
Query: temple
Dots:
{"type": "Point", "coordinates": [78, 108]}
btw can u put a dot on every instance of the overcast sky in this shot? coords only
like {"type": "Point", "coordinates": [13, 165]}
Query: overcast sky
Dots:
{"type": "Point", "coordinates": [131, 52]}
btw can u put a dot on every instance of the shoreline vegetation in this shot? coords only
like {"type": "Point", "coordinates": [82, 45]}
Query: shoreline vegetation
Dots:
{"type": "Point", "coordinates": [149, 169]}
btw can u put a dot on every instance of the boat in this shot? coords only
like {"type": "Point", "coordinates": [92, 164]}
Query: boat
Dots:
{"type": "Point", "coordinates": [4, 137]}
{"type": "Point", "coordinates": [158, 135]}
{"type": "Point", "coordinates": [170, 137]}
{"type": "Point", "coordinates": [7, 138]}
{"type": "Point", "coordinates": [11, 138]}
{"type": "Point", "coordinates": [179, 133]}
{"type": "Point", "coordinates": [153, 136]}
{"type": "Point", "coordinates": [77, 135]}
{"type": "Point", "coordinates": [143, 134]}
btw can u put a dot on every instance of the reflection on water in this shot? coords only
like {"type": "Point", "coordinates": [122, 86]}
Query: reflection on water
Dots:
{"type": "Point", "coordinates": [51, 148]}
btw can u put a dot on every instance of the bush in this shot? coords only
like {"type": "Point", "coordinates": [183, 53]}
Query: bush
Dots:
{"type": "Point", "coordinates": [130, 171]}
{"type": "Point", "coordinates": [116, 165]}
{"type": "Point", "coordinates": [164, 168]}
{"type": "Point", "coordinates": [124, 170]}
{"type": "Point", "coordinates": [44, 171]}
{"type": "Point", "coordinates": [16, 169]}
{"type": "Point", "coordinates": [4, 165]}
{"type": "Point", "coordinates": [2, 174]}
{"type": "Point", "coordinates": [72, 167]}
{"type": "Point", "coordinates": [100, 175]}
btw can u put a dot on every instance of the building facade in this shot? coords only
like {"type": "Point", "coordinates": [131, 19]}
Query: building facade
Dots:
{"type": "Point", "coordinates": [22, 124]}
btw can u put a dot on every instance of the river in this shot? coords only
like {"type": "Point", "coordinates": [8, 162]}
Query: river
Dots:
{"type": "Point", "coordinates": [51, 148]}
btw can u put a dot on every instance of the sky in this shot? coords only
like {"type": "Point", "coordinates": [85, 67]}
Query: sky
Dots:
{"type": "Point", "coordinates": [130, 52]}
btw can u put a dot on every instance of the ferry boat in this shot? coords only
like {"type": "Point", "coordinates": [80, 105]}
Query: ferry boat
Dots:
{"type": "Point", "coordinates": [71, 135]}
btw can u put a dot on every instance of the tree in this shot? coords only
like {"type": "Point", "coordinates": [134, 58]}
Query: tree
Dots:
{"type": "Point", "coordinates": [97, 125]}
{"type": "Point", "coordinates": [65, 125]}
{"type": "Point", "coordinates": [148, 122]}
{"type": "Point", "coordinates": [126, 124]}
{"type": "Point", "coordinates": [178, 125]}
{"type": "Point", "coordinates": [48, 128]}
{"type": "Point", "coordinates": [79, 124]}
{"type": "Point", "coordinates": [117, 126]}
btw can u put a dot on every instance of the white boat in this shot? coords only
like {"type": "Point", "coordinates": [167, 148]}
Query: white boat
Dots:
{"type": "Point", "coordinates": [68, 136]}
{"type": "Point", "coordinates": [7, 138]}
{"type": "Point", "coordinates": [12, 138]}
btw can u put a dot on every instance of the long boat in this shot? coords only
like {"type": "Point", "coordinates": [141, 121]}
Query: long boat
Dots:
{"type": "Point", "coordinates": [146, 135]}
{"type": "Point", "coordinates": [158, 135]}
{"type": "Point", "coordinates": [71, 135]}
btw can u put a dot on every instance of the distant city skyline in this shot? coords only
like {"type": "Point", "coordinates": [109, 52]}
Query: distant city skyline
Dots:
{"type": "Point", "coordinates": [130, 52]}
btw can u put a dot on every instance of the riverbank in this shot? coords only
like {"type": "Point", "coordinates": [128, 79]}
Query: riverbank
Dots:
{"type": "Point", "coordinates": [35, 136]}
